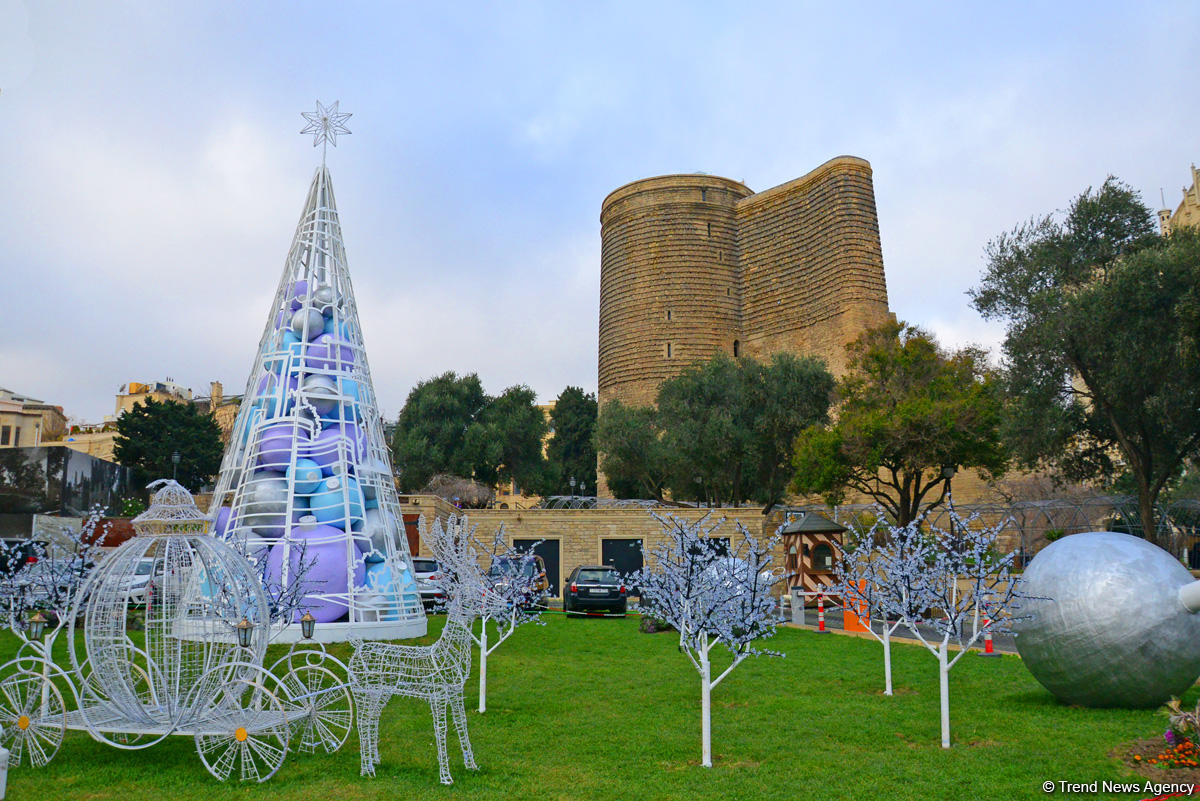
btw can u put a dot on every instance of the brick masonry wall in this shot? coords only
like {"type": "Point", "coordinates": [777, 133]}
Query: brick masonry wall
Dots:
{"type": "Point", "coordinates": [668, 275]}
{"type": "Point", "coordinates": [811, 263]}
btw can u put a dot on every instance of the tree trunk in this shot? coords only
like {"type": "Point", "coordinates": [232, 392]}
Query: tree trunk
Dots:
{"type": "Point", "coordinates": [705, 711]}
{"type": "Point", "coordinates": [483, 653]}
{"type": "Point", "coordinates": [1146, 513]}
{"type": "Point", "coordinates": [944, 687]}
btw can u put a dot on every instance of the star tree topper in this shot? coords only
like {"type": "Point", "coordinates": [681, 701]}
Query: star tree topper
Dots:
{"type": "Point", "coordinates": [325, 124]}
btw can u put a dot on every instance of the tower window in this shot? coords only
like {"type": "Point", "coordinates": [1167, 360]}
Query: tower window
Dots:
{"type": "Point", "coordinates": [737, 349]}
{"type": "Point", "coordinates": [704, 194]}
{"type": "Point", "coordinates": [668, 314]}
{"type": "Point", "coordinates": [728, 292]}
{"type": "Point", "coordinates": [668, 350]}
{"type": "Point", "coordinates": [709, 230]}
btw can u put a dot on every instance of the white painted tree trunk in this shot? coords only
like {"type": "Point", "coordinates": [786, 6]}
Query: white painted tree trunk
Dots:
{"type": "Point", "coordinates": [705, 710]}
{"type": "Point", "coordinates": [483, 655]}
{"type": "Point", "coordinates": [944, 686]}
{"type": "Point", "coordinates": [887, 657]}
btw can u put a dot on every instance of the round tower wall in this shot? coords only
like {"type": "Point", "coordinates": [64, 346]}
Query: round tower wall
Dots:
{"type": "Point", "coordinates": [670, 291]}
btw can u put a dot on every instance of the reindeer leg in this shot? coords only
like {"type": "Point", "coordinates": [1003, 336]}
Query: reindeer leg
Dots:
{"type": "Point", "coordinates": [369, 705]}
{"type": "Point", "coordinates": [460, 725]}
{"type": "Point", "coordinates": [438, 707]}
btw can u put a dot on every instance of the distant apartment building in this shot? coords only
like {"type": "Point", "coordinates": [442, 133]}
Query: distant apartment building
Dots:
{"type": "Point", "coordinates": [28, 422]}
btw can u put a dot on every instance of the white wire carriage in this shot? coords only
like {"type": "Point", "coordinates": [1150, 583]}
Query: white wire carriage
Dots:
{"type": "Point", "coordinates": [195, 669]}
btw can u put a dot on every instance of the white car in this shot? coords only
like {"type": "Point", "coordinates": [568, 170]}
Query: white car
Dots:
{"type": "Point", "coordinates": [426, 571]}
{"type": "Point", "coordinates": [139, 582]}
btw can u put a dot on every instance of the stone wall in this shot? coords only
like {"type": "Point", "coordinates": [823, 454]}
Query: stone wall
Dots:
{"type": "Point", "coordinates": [580, 532]}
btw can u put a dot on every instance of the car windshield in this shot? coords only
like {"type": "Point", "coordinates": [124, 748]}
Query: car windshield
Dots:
{"type": "Point", "coordinates": [425, 565]}
{"type": "Point", "coordinates": [144, 568]}
{"type": "Point", "coordinates": [599, 577]}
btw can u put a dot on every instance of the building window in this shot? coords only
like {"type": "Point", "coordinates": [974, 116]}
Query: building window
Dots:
{"type": "Point", "coordinates": [5, 435]}
{"type": "Point", "coordinates": [709, 230]}
{"type": "Point", "coordinates": [737, 349]}
{"type": "Point", "coordinates": [17, 437]}
{"type": "Point", "coordinates": [668, 350]}
{"type": "Point", "coordinates": [728, 291]}
{"type": "Point", "coordinates": [822, 557]}
{"type": "Point", "coordinates": [668, 315]}
{"type": "Point", "coordinates": [704, 194]}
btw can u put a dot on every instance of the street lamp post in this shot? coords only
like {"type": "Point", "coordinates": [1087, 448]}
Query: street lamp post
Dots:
{"type": "Point", "coordinates": [572, 483]}
{"type": "Point", "coordinates": [175, 465]}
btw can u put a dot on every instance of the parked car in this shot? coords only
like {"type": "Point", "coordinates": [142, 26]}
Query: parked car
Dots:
{"type": "Point", "coordinates": [595, 589]}
{"type": "Point", "coordinates": [529, 571]}
{"type": "Point", "coordinates": [426, 571]}
{"type": "Point", "coordinates": [138, 584]}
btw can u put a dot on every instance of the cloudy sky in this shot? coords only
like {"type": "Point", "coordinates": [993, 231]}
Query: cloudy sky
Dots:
{"type": "Point", "coordinates": [151, 170]}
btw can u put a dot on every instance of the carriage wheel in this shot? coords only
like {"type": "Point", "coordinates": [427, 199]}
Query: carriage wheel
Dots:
{"type": "Point", "coordinates": [327, 705]}
{"type": "Point", "coordinates": [32, 718]}
{"type": "Point", "coordinates": [246, 729]}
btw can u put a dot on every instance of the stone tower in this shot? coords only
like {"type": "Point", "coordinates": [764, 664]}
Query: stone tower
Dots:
{"type": "Point", "coordinates": [695, 264]}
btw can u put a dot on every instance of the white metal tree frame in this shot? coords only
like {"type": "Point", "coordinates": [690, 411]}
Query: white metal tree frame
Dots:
{"type": "Point", "coordinates": [509, 599]}
{"type": "Point", "coordinates": [712, 594]}
{"type": "Point", "coordinates": [858, 582]}
{"type": "Point", "coordinates": [433, 673]}
{"type": "Point", "coordinates": [199, 670]}
{"type": "Point", "coordinates": [307, 459]}
{"type": "Point", "coordinates": [942, 584]}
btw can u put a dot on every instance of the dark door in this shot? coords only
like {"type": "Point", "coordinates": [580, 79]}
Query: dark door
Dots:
{"type": "Point", "coordinates": [412, 533]}
{"type": "Point", "coordinates": [548, 550]}
{"type": "Point", "coordinates": [624, 555]}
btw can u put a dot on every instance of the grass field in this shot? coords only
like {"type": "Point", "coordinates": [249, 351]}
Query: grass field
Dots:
{"type": "Point", "coordinates": [592, 709]}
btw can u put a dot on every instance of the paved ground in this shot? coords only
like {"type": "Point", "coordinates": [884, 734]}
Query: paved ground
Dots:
{"type": "Point", "coordinates": [1004, 643]}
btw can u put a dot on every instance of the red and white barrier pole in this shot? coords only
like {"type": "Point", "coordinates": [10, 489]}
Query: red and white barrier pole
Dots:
{"type": "Point", "coordinates": [988, 648]}
{"type": "Point", "coordinates": [821, 614]}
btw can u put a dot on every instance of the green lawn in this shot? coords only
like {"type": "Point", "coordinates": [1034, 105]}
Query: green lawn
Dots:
{"type": "Point", "coordinates": [591, 709]}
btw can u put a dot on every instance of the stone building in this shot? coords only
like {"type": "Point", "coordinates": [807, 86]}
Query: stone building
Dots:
{"type": "Point", "coordinates": [695, 264]}
{"type": "Point", "coordinates": [1188, 210]}
{"type": "Point", "coordinates": [692, 265]}
{"type": "Point", "coordinates": [28, 422]}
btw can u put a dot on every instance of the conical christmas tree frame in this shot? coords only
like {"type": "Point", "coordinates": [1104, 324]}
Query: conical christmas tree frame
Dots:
{"type": "Point", "coordinates": [306, 482]}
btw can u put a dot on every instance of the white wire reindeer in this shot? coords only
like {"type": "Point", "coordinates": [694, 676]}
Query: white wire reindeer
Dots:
{"type": "Point", "coordinates": [435, 673]}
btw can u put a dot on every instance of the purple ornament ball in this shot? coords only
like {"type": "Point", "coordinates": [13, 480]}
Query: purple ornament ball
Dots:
{"type": "Point", "coordinates": [325, 548]}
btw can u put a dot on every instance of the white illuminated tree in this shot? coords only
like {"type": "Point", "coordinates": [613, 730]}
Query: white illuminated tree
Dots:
{"type": "Point", "coordinates": [507, 586]}
{"type": "Point", "coordinates": [940, 583]}
{"type": "Point", "coordinates": [46, 576]}
{"type": "Point", "coordinates": [713, 595]}
{"type": "Point", "coordinates": [510, 595]}
{"type": "Point", "coordinates": [859, 582]}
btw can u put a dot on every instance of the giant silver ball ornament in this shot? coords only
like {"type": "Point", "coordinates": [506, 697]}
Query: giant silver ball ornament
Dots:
{"type": "Point", "coordinates": [1107, 626]}
{"type": "Point", "coordinates": [308, 323]}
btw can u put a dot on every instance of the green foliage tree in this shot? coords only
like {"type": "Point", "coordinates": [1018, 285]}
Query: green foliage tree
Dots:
{"type": "Point", "coordinates": [721, 431]}
{"type": "Point", "coordinates": [506, 440]}
{"type": "Point", "coordinates": [906, 410]}
{"type": "Point", "coordinates": [432, 429]}
{"type": "Point", "coordinates": [571, 452]}
{"type": "Point", "coordinates": [450, 426]}
{"type": "Point", "coordinates": [150, 432]}
{"type": "Point", "coordinates": [1102, 349]}
{"type": "Point", "coordinates": [634, 459]}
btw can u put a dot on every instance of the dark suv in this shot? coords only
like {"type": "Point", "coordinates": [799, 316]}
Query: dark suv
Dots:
{"type": "Point", "coordinates": [594, 589]}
